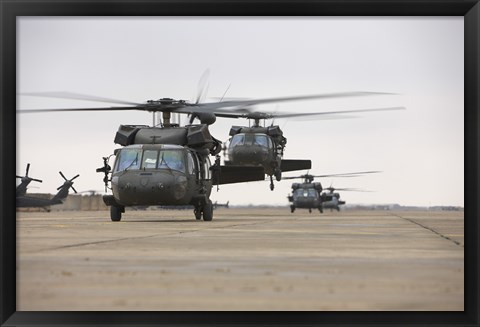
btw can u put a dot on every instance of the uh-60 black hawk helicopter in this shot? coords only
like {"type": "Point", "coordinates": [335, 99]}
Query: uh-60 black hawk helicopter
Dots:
{"type": "Point", "coordinates": [168, 165]}
{"type": "Point", "coordinates": [25, 201]}
{"type": "Point", "coordinates": [308, 195]}
{"type": "Point", "coordinates": [264, 146]}
{"type": "Point", "coordinates": [331, 199]}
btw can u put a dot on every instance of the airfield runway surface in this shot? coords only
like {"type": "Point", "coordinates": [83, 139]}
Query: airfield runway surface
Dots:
{"type": "Point", "coordinates": [245, 259]}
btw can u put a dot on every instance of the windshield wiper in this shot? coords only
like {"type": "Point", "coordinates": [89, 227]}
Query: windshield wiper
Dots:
{"type": "Point", "coordinates": [166, 164]}
{"type": "Point", "coordinates": [134, 161]}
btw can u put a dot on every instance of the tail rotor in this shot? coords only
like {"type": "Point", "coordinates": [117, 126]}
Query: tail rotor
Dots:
{"type": "Point", "coordinates": [68, 182]}
{"type": "Point", "coordinates": [26, 178]}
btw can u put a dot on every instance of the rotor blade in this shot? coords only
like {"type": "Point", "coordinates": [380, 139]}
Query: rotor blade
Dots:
{"type": "Point", "coordinates": [348, 174]}
{"type": "Point", "coordinates": [236, 103]}
{"type": "Point", "coordinates": [79, 109]}
{"type": "Point", "coordinates": [74, 177]}
{"type": "Point", "coordinates": [74, 190]}
{"type": "Point", "coordinates": [334, 112]}
{"type": "Point", "coordinates": [356, 174]}
{"type": "Point", "coordinates": [28, 168]}
{"type": "Point", "coordinates": [63, 176]}
{"type": "Point", "coordinates": [28, 178]}
{"type": "Point", "coordinates": [291, 177]}
{"type": "Point", "coordinates": [264, 115]}
{"type": "Point", "coordinates": [202, 86]}
{"type": "Point", "coordinates": [77, 96]}
{"type": "Point", "coordinates": [350, 189]}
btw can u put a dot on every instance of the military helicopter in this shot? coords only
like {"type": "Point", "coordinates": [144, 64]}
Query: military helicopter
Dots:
{"type": "Point", "coordinates": [218, 205]}
{"type": "Point", "coordinates": [24, 201]}
{"type": "Point", "coordinates": [308, 195]}
{"type": "Point", "coordinates": [25, 180]}
{"type": "Point", "coordinates": [169, 164]}
{"type": "Point", "coordinates": [264, 146]}
{"type": "Point", "coordinates": [331, 199]}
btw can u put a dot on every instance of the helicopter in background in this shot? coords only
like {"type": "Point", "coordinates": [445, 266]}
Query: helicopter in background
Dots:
{"type": "Point", "coordinates": [257, 145]}
{"type": "Point", "coordinates": [24, 181]}
{"type": "Point", "coordinates": [24, 201]}
{"type": "Point", "coordinates": [218, 205]}
{"type": "Point", "coordinates": [331, 199]}
{"type": "Point", "coordinates": [308, 195]}
{"type": "Point", "coordinates": [169, 164]}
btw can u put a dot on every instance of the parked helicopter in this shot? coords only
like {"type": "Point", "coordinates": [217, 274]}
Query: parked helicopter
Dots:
{"type": "Point", "coordinates": [264, 146]}
{"type": "Point", "coordinates": [24, 201]}
{"type": "Point", "coordinates": [308, 195]}
{"type": "Point", "coordinates": [169, 165]}
{"type": "Point", "coordinates": [218, 205]}
{"type": "Point", "coordinates": [25, 180]}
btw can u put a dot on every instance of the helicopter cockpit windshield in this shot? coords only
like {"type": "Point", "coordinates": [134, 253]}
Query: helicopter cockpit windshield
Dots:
{"type": "Point", "coordinates": [251, 139]}
{"type": "Point", "coordinates": [128, 159]}
{"type": "Point", "coordinates": [137, 158]}
{"type": "Point", "coordinates": [306, 193]}
{"type": "Point", "coordinates": [171, 159]}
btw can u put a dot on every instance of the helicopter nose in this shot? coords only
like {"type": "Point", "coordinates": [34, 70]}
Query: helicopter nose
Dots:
{"type": "Point", "coordinates": [150, 188]}
{"type": "Point", "coordinates": [255, 155]}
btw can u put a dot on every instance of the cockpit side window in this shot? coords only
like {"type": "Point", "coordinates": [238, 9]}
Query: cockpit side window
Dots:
{"type": "Point", "coordinates": [128, 159]}
{"type": "Point", "coordinates": [190, 164]}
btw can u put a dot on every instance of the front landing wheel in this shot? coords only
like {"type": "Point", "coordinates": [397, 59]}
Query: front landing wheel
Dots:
{"type": "Point", "coordinates": [115, 213]}
{"type": "Point", "coordinates": [208, 211]}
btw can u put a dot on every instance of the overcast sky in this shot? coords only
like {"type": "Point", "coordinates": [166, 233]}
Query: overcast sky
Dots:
{"type": "Point", "coordinates": [420, 150]}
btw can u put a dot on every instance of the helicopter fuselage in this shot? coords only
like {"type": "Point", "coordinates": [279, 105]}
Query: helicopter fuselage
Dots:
{"type": "Point", "coordinates": [306, 198]}
{"type": "Point", "coordinates": [255, 149]}
{"type": "Point", "coordinates": [160, 174]}
{"type": "Point", "coordinates": [331, 201]}
{"type": "Point", "coordinates": [168, 166]}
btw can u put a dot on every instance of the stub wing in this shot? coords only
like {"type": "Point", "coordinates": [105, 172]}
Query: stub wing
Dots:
{"type": "Point", "coordinates": [237, 174]}
{"type": "Point", "coordinates": [294, 164]}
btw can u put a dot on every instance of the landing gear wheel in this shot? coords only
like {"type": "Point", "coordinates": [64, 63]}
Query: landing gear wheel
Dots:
{"type": "Point", "coordinates": [208, 211]}
{"type": "Point", "coordinates": [115, 213]}
{"type": "Point", "coordinates": [292, 208]}
{"type": "Point", "coordinates": [198, 213]}
{"type": "Point", "coordinates": [320, 209]}
{"type": "Point", "coordinates": [271, 183]}
{"type": "Point", "coordinates": [310, 210]}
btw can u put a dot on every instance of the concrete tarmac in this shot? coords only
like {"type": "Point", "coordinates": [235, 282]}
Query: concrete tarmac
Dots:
{"type": "Point", "coordinates": [245, 259]}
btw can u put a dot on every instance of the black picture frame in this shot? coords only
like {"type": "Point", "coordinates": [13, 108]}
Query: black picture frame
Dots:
{"type": "Point", "coordinates": [11, 9]}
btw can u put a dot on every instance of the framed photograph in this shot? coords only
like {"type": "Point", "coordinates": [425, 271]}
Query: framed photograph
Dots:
{"type": "Point", "coordinates": [351, 207]}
